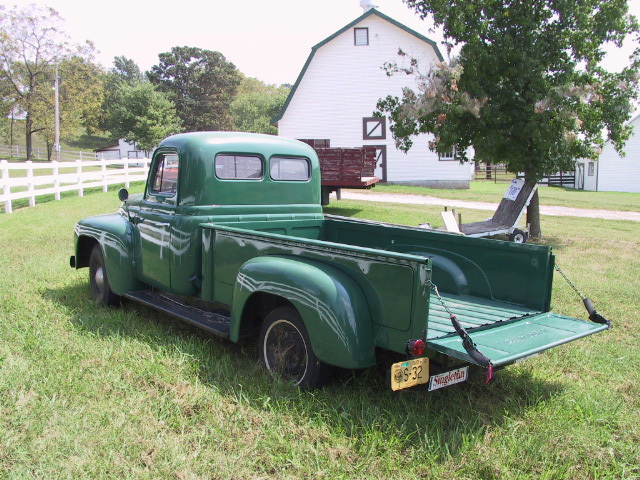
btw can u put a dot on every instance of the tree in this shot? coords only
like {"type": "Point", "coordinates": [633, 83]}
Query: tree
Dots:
{"type": "Point", "coordinates": [256, 103]}
{"type": "Point", "coordinates": [81, 93]}
{"type": "Point", "coordinates": [31, 44]}
{"type": "Point", "coordinates": [527, 88]}
{"type": "Point", "coordinates": [201, 83]}
{"type": "Point", "coordinates": [126, 70]}
{"type": "Point", "coordinates": [143, 115]}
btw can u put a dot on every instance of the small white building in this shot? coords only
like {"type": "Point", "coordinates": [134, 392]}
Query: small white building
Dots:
{"type": "Point", "coordinates": [122, 149]}
{"type": "Point", "coordinates": [339, 86]}
{"type": "Point", "coordinates": [613, 172]}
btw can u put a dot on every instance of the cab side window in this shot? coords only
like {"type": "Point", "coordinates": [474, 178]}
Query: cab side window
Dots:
{"type": "Point", "coordinates": [165, 175]}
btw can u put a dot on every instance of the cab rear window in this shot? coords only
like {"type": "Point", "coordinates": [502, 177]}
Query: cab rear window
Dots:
{"type": "Point", "coordinates": [239, 167]}
{"type": "Point", "coordinates": [289, 169]}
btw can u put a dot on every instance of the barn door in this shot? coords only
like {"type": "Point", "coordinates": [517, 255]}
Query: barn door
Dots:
{"type": "Point", "coordinates": [381, 162]}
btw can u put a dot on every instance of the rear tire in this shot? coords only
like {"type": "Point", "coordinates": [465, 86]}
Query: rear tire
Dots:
{"type": "Point", "coordinates": [285, 349]}
{"type": "Point", "coordinates": [98, 280]}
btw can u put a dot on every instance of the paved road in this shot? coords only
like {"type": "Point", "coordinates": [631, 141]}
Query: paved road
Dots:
{"type": "Point", "coordinates": [544, 209]}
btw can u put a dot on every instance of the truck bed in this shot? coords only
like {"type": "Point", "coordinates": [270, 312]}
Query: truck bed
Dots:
{"type": "Point", "coordinates": [472, 312]}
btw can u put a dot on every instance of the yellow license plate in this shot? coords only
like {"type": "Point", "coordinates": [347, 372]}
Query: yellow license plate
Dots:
{"type": "Point", "coordinates": [409, 373]}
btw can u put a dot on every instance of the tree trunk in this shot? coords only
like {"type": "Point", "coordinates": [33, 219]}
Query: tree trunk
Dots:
{"type": "Point", "coordinates": [533, 217]}
{"type": "Point", "coordinates": [29, 128]}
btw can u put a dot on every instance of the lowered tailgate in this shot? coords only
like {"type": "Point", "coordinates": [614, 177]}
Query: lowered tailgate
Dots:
{"type": "Point", "coordinates": [503, 333]}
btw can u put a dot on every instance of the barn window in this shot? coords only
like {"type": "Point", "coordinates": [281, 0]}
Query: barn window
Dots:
{"type": "Point", "coordinates": [374, 128]}
{"type": "Point", "coordinates": [361, 36]}
{"type": "Point", "coordinates": [447, 156]}
{"type": "Point", "coordinates": [592, 168]}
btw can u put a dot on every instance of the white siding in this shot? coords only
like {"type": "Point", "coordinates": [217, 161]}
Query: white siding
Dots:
{"type": "Point", "coordinates": [621, 174]}
{"type": "Point", "coordinates": [343, 83]}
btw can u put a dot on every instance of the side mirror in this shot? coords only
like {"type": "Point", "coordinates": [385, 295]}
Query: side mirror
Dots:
{"type": "Point", "coordinates": [123, 194]}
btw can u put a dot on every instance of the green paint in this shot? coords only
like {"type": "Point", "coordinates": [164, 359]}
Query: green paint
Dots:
{"type": "Point", "coordinates": [243, 244]}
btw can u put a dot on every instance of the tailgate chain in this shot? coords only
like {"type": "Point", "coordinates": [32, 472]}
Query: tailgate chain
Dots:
{"type": "Point", "coordinates": [468, 344]}
{"type": "Point", "coordinates": [594, 316]}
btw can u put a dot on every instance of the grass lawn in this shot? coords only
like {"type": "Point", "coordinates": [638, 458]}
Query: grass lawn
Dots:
{"type": "Point", "coordinates": [492, 192]}
{"type": "Point", "coordinates": [88, 392]}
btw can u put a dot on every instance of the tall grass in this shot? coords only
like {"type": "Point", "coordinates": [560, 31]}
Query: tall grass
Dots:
{"type": "Point", "coordinates": [88, 392]}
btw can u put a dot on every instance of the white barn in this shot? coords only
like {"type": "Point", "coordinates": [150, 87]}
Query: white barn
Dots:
{"type": "Point", "coordinates": [613, 172]}
{"type": "Point", "coordinates": [122, 149]}
{"type": "Point", "coordinates": [339, 86]}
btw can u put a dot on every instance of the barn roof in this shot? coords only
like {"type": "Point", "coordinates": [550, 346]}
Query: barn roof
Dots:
{"type": "Point", "coordinates": [366, 14]}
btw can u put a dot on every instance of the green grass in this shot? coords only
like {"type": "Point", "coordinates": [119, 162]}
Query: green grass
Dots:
{"type": "Point", "coordinates": [88, 392]}
{"type": "Point", "coordinates": [481, 191]}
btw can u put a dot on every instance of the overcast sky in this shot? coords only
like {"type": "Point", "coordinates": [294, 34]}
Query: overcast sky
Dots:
{"type": "Point", "coordinates": [269, 40]}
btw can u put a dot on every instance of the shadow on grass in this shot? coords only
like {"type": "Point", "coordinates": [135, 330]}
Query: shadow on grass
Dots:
{"type": "Point", "coordinates": [342, 211]}
{"type": "Point", "coordinates": [358, 405]}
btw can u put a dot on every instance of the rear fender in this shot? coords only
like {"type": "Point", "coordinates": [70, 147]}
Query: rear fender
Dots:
{"type": "Point", "coordinates": [331, 304]}
{"type": "Point", "coordinates": [114, 235]}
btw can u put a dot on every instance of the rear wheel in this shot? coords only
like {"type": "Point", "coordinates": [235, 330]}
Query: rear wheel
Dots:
{"type": "Point", "coordinates": [98, 280]}
{"type": "Point", "coordinates": [285, 349]}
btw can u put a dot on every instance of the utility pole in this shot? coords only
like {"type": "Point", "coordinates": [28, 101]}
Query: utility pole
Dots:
{"type": "Point", "coordinates": [56, 113]}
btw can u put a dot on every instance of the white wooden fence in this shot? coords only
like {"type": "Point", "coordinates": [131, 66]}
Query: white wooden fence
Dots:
{"type": "Point", "coordinates": [33, 179]}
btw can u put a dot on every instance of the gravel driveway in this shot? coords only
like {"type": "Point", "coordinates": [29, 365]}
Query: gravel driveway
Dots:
{"type": "Point", "coordinates": [544, 209]}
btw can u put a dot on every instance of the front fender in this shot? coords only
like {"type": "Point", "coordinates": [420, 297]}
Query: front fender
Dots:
{"type": "Point", "coordinates": [331, 304]}
{"type": "Point", "coordinates": [114, 235]}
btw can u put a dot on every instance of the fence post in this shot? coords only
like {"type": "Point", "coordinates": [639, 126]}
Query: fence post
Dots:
{"type": "Point", "coordinates": [126, 174]}
{"type": "Point", "coordinates": [6, 186]}
{"type": "Point", "coordinates": [79, 172]}
{"type": "Point", "coordinates": [32, 197]}
{"type": "Point", "coordinates": [103, 169]}
{"type": "Point", "coordinates": [56, 180]}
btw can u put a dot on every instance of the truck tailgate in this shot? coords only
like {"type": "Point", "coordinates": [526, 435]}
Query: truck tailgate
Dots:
{"type": "Point", "coordinates": [502, 332]}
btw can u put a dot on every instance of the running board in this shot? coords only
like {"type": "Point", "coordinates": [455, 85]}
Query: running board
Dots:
{"type": "Point", "coordinates": [216, 323]}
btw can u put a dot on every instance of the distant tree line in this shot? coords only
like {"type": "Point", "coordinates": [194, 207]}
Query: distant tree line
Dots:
{"type": "Point", "coordinates": [190, 89]}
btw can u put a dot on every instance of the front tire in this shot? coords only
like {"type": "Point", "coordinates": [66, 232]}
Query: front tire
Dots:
{"type": "Point", "coordinates": [285, 349]}
{"type": "Point", "coordinates": [98, 280]}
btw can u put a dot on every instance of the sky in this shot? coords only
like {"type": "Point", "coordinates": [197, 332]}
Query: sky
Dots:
{"type": "Point", "coordinates": [268, 40]}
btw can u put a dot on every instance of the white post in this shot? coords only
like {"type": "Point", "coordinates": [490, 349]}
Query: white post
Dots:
{"type": "Point", "coordinates": [80, 154]}
{"type": "Point", "coordinates": [56, 180]}
{"type": "Point", "coordinates": [32, 197]}
{"type": "Point", "coordinates": [103, 168]}
{"type": "Point", "coordinates": [6, 187]}
{"type": "Point", "coordinates": [79, 172]}
{"type": "Point", "coordinates": [126, 174]}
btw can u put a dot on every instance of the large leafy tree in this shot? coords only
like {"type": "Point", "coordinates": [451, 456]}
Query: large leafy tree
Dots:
{"type": "Point", "coordinates": [31, 44]}
{"type": "Point", "coordinates": [528, 88]}
{"type": "Point", "coordinates": [201, 83]}
{"type": "Point", "coordinates": [141, 114]}
{"type": "Point", "coordinates": [256, 103]}
{"type": "Point", "coordinates": [81, 90]}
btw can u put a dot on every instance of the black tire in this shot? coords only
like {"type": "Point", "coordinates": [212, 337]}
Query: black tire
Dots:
{"type": "Point", "coordinates": [285, 349]}
{"type": "Point", "coordinates": [518, 236]}
{"type": "Point", "coordinates": [98, 280]}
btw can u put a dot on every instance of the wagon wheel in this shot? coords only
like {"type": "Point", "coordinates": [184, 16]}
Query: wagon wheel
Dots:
{"type": "Point", "coordinates": [518, 236]}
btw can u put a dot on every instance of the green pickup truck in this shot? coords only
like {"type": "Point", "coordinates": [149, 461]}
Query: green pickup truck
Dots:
{"type": "Point", "coordinates": [229, 235]}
